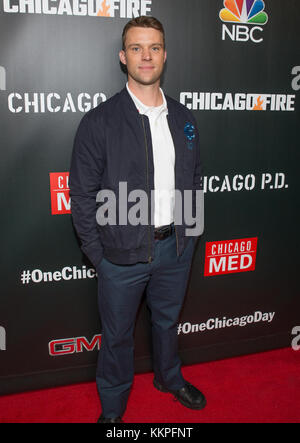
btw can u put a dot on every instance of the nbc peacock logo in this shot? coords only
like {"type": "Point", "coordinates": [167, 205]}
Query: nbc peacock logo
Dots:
{"type": "Point", "coordinates": [244, 11]}
{"type": "Point", "coordinates": [241, 13]}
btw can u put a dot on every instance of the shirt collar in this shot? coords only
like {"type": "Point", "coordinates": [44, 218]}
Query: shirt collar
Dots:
{"type": "Point", "coordinates": [149, 110]}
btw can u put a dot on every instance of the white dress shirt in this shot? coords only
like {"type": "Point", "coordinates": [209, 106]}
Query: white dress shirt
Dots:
{"type": "Point", "coordinates": [164, 160]}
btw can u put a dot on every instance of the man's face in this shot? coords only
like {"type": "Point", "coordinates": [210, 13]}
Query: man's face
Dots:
{"type": "Point", "coordinates": [144, 55]}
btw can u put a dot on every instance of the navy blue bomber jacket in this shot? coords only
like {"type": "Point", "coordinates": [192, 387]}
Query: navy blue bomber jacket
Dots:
{"type": "Point", "coordinates": [112, 145]}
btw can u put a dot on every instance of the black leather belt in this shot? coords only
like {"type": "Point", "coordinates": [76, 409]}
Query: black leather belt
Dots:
{"type": "Point", "coordinates": [164, 231]}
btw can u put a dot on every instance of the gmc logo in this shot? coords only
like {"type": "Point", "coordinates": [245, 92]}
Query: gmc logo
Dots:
{"type": "Point", "coordinates": [73, 345]}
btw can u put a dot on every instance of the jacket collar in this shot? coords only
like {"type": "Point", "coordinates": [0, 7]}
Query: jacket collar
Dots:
{"type": "Point", "coordinates": [131, 108]}
{"type": "Point", "coordinates": [147, 110]}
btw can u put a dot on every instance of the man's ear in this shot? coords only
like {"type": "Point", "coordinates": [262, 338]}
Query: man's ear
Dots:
{"type": "Point", "coordinates": [165, 59]}
{"type": "Point", "coordinates": [122, 57]}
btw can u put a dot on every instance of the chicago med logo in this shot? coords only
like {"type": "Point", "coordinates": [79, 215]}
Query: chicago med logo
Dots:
{"type": "Point", "coordinates": [230, 256]}
{"type": "Point", "coordinates": [60, 193]}
{"type": "Point", "coordinates": [242, 13]}
{"type": "Point", "coordinates": [93, 8]}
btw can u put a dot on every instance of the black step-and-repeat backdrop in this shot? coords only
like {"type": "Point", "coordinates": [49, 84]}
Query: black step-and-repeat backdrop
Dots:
{"type": "Point", "coordinates": [236, 65]}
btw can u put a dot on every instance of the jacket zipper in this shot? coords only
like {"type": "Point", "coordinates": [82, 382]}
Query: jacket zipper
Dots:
{"type": "Point", "coordinates": [176, 240]}
{"type": "Point", "coordinates": [147, 167]}
{"type": "Point", "coordinates": [177, 248]}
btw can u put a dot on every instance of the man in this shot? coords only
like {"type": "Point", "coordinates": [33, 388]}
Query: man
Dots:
{"type": "Point", "coordinates": [149, 142]}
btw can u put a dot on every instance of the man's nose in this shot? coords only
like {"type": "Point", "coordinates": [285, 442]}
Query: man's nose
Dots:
{"type": "Point", "coordinates": [146, 54]}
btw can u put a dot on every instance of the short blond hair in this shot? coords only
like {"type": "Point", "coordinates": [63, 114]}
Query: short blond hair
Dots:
{"type": "Point", "coordinates": [143, 22]}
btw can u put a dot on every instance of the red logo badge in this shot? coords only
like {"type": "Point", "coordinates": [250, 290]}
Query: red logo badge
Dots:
{"type": "Point", "coordinates": [230, 256]}
{"type": "Point", "coordinates": [60, 193]}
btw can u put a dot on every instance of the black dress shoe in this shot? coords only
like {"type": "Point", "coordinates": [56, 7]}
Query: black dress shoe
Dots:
{"type": "Point", "coordinates": [103, 419]}
{"type": "Point", "coordinates": [188, 396]}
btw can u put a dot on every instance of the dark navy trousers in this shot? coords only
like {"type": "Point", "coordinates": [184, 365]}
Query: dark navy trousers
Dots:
{"type": "Point", "coordinates": [121, 288]}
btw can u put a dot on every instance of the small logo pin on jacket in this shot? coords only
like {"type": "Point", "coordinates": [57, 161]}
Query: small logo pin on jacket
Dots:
{"type": "Point", "coordinates": [189, 131]}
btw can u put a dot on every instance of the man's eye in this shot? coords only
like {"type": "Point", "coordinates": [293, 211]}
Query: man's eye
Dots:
{"type": "Point", "coordinates": [135, 49]}
{"type": "Point", "coordinates": [156, 48]}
